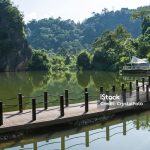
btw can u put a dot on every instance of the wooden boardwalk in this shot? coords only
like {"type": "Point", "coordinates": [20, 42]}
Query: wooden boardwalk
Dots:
{"type": "Point", "coordinates": [15, 121]}
{"type": "Point", "coordinates": [38, 117]}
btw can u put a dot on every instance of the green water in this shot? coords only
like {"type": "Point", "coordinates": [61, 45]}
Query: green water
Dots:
{"type": "Point", "coordinates": [132, 132]}
{"type": "Point", "coordinates": [32, 84]}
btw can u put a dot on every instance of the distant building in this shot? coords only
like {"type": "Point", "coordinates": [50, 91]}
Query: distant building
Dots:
{"type": "Point", "coordinates": [137, 64]}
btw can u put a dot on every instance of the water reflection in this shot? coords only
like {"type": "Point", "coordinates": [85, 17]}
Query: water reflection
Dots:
{"type": "Point", "coordinates": [30, 82]}
{"type": "Point", "coordinates": [24, 82]}
{"type": "Point", "coordinates": [83, 78]}
{"type": "Point", "coordinates": [129, 132]}
{"type": "Point", "coordinates": [35, 83]}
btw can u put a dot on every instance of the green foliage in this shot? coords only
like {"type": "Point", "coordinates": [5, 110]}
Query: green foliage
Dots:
{"type": "Point", "coordinates": [11, 27]}
{"type": "Point", "coordinates": [56, 35]}
{"type": "Point", "coordinates": [67, 37]}
{"type": "Point", "coordinates": [113, 49]}
{"type": "Point", "coordinates": [59, 62]}
{"type": "Point", "coordinates": [145, 24]}
{"type": "Point", "coordinates": [39, 61]}
{"type": "Point", "coordinates": [67, 60]}
{"type": "Point", "coordinates": [110, 50]}
{"type": "Point", "coordinates": [107, 36]}
{"type": "Point", "coordinates": [144, 43]}
{"type": "Point", "coordinates": [93, 27]}
{"type": "Point", "coordinates": [14, 49]}
{"type": "Point", "coordinates": [148, 56]}
{"type": "Point", "coordinates": [83, 60]}
{"type": "Point", "coordinates": [144, 14]}
{"type": "Point", "coordinates": [141, 12]}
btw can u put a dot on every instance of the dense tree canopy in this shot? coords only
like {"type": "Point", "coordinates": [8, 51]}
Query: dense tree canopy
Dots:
{"type": "Point", "coordinates": [145, 24]}
{"type": "Point", "coordinates": [83, 60]}
{"type": "Point", "coordinates": [109, 40]}
{"type": "Point", "coordinates": [14, 50]}
{"type": "Point", "coordinates": [62, 37]}
{"type": "Point", "coordinates": [143, 41]}
{"type": "Point", "coordinates": [113, 49]}
{"type": "Point", "coordinates": [39, 61]}
{"type": "Point", "coordinates": [54, 35]}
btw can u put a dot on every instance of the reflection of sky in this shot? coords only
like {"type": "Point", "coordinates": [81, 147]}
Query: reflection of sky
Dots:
{"type": "Point", "coordinates": [134, 139]}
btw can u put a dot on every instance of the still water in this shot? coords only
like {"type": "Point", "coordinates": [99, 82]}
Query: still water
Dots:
{"type": "Point", "coordinates": [32, 84]}
{"type": "Point", "coordinates": [132, 132]}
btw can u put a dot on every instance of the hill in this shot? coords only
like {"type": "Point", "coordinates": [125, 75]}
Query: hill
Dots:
{"type": "Point", "coordinates": [66, 36]}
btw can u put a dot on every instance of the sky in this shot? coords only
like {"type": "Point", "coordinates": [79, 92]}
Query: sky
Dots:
{"type": "Point", "coordinates": [77, 10]}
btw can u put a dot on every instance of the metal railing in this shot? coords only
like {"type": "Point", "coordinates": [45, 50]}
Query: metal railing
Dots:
{"type": "Point", "coordinates": [136, 67]}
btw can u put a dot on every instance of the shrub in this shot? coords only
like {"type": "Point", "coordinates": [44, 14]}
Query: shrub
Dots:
{"type": "Point", "coordinates": [39, 61]}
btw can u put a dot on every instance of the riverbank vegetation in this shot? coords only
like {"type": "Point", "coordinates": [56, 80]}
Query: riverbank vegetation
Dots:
{"type": "Point", "coordinates": [104, 41]}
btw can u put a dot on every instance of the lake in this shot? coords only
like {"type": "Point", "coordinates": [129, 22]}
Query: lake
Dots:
{"type": "Point", "coordinates": [32, 84]}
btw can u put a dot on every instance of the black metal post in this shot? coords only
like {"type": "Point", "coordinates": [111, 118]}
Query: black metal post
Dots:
{"type": "Point", "coordinates": [130, 87]}
{"type": "Point", "coordinates": [143, 82]}
{"type": "Point", "coordinates": [137, 94]}
{"type": "Point", "coordinates": [107, 100]}
{"type": "Point", "coordinates": [45, 100]}
{"type": "Point", "coordinates": [86, 102]}
{"type": "Point", "coordinates": [86, 90]}
{"type": "Point", "coordinates": [107, 93]}
{"type": "Point", "coordinates": [33, 109]}
{"type": "Point", "coordinates": [66, 98]}
{"type": "Point", "coordinates": [1, 113]}
{"type": "Point", "coordinates": [147, 92]}
{"type": "Point", "coordinates": [113, 88]}
{"type": "Point", "coordinates": [101, 90]}
{"type": "Point", "coordinates": [20, 102]}
{"type": "Point", "coordinates": [124, 95]}
{"type": "Point", "coordinates": [122, 86]}
{"type": "Point", "coordinates": [61, 105]}
{"type": "Point", "coordinates": [137, 83]}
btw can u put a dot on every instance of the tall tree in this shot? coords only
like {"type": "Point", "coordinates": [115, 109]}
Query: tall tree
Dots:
{"type": "Point", "coordinates": [83, 60]}
{"type": "Point", "coordinates": [14, 50]}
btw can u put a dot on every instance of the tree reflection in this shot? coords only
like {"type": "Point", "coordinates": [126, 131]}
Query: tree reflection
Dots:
{"type": "Point", "coordinates": [23, 82]}
{"type": "Point", "coordinates": [68, 76]}
{"type": "Point", "coordinates": [83, 78]}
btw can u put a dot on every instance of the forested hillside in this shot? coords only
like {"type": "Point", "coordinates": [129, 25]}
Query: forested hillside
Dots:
{"type": "Point", "coordinates": [54, 35]}
{"type": "Point", "coordinates": [59, 36]}
{"type": "Point", "coordinates": [14, 50]}
{"type": "Point", "coordinates": [113, 49]}
{"type": "Point", "coordinates": [102, 42]}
